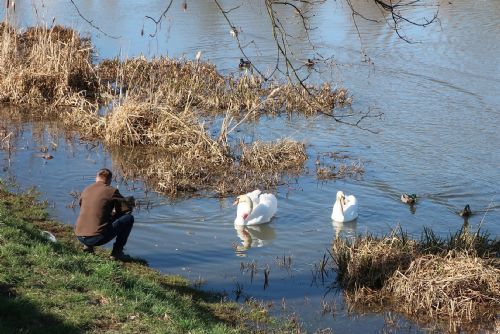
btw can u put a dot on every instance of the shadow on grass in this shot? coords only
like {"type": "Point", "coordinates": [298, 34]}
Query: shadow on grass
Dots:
{"type": "Point", "coordinates": [19, 315]}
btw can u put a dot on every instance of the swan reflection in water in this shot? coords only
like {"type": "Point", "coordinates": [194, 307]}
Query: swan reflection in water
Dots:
{"type": "Point", "coordinates": [347, 229]}
{"type": "Point", "coordinates": [253, 236]}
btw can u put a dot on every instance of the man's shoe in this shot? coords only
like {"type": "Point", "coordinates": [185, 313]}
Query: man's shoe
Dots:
{"type": "Point", "coordinates": [88, 249]}
{"type": "Point", "coordinates": [119, 256]}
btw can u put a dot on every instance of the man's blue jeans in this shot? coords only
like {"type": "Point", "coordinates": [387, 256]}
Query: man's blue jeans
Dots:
{"type": "Point", "coordinates": [120, 229]}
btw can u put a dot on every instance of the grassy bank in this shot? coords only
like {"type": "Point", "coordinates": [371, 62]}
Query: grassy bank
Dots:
{"type": "Point", "coordinates": [48, 287]}
{"type": "Point", "coordinates": [454, 280]}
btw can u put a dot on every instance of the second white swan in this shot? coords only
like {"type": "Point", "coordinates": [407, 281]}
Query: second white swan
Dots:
{"type": "Point", "coordinates": [345, 208]}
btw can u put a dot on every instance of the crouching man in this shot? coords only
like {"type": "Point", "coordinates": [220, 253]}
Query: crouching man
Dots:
{"type": "Point", "coordinates": [104, 215]}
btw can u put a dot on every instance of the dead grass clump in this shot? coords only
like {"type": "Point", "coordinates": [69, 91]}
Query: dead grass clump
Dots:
{"type": "Point", "coordinates": [183, 173]}
{"type": "Point", "coordinates": [178, 131]}
{"type": "Point", "coordinates": [87, 122]}
{"type": "Point", "coordinates": [308, 100]}
{"type": "Point", "coordinates": [178, 82]}
{"type": "Point", "coordinates": [370, 261]}
{"type": "Point", "coordinates": [341, 171]}
{"type": "Point", "coordinates": [332, 165]}
{"type": "Point", "coordinates": [45, 66]}
{"type": "Point", "coordinates": [176, 154]}
{"type": "Point", "coordinates": [460, 287]}
{"type": "Point", "coordinates": [455, 279]}
{"type": "Point", "coordinates": [168, 82]}
{"type": "Point", "coordinates": [282, 155]}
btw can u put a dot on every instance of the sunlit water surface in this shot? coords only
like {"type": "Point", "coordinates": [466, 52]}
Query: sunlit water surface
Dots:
{"type": "Point", "coordinates": [438, 137]}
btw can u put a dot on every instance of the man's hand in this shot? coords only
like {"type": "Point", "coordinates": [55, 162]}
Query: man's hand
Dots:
{"type": "Point", "coordinates": [127, 204]}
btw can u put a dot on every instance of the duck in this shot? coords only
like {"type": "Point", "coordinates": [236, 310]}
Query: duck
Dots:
{"type": "Point", "coordinates": [255, 208]}
{"type": "Point", "coordinates": [466, 212]}
{"type": "Point", "coordinates": [309, 62]}
{"type": "Point", "coordinates": [408, 198]}
{"type": "Point", "coordinates": [345, 208]}
{"type": "Point", "coordinates": [244, 63]}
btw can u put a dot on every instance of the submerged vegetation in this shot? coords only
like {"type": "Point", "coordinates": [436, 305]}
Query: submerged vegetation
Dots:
{"type": "Point", "coordinates": [455, 280]}
{"type": "Point", "coordinates": [158, 109]}
{"type": "Point", "coordinates": [52, 287]}
{"type": "Point", "coordinates": [332, 165]}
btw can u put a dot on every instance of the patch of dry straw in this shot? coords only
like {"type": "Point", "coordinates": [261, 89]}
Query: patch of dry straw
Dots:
{"type": "Point", "coordinates": [160, 107]}
{"type": "Point", "coordinates": [186, 173]}
{"type": "Point", "coordinates": [178, 82]}
{"type": "Point", "coordinates": [457, 286]}
{"type": "Point", "coordinates": [280, 156]}
{"type": "Point", "coordinates": [454, 279]}
{"type": "Point", "coordinates": [370, 261]}
{"type": "Point", "coordinates": [45, 66]}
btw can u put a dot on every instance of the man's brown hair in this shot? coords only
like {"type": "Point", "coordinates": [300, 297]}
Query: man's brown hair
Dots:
{"type": "Point", "coordinates": [105, 174]}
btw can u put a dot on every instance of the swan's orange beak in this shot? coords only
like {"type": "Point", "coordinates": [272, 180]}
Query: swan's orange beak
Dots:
{"type": "Point", "coordinates": [237, 201]}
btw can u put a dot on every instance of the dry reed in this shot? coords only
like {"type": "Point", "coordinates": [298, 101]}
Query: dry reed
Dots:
{"type": "Point", "coordinates": [454, 279]}
{"type": "Point", "coordinates": [370, 261]}
{"type": "Point", "coordinates": [159, 109]}
{"type": "Point", "coordinates": [180, 174]}
{"type": "Point", "coordinates": [280, 156]}
{"type": "Point", "coordinates": [456, 286]}
{"type": "Point", "coordinates": [45, 66]}
{"type": "Point", "coordinates": [178, 82]}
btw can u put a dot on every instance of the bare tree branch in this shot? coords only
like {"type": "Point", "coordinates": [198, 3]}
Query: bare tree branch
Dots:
{"type": "Point", "coordinates": [159, 19]}
{"type": "Point", "coordinates": [91, 23]}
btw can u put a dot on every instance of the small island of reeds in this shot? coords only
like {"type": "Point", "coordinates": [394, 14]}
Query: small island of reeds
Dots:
{"type": "Point", "coordinates": [452, 281]}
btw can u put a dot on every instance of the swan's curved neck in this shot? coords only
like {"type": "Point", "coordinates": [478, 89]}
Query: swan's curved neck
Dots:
{"type": "Point", "coordinates": [245, 206]}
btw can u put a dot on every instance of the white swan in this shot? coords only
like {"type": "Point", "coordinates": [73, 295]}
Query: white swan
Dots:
{"type": "Point", "coordinates": [255, 208]}
{"type": "Point", "coordinates": [345, 208]}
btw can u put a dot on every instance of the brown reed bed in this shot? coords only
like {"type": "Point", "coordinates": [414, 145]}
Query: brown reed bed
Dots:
{"type": "Point", "coordinates": [178, 82]}
{"type": "Point", "coordinates": [45, 66]}
{"type": "Point", "coordinates": [176, 154]}
{"type": "Point", "coordinates": [370, 261]}
{"type": "Point", "coordinates": [160, 108]}
{"type": "Point", "coordinates": [178, 175]}
{"type": "Point", "coordinates": [454, 281]}
{"type": "Point", "coordinates": [282, 155]}
{"type": "Point", "coordinates": [456, 286]}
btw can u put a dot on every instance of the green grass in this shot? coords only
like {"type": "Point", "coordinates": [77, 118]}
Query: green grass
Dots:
{"type": "Point", "coordinates": [50, 287]}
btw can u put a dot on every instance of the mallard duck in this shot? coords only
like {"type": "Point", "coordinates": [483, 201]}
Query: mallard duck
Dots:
{"type": "Point", "coordinates": [255, 208]}
{"type": "Point", "coordinates": [345, 208]}
{"type": "Point", "coordinates": [309, 62]}
{"type": "Point", "coordinates": [244, 63]}
{"type": "Point", "coordinates": [408, 198]}
{"type": "Point", "coordinates": [466, 212]}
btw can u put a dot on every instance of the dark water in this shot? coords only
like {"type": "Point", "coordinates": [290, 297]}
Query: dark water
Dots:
{"type": "Point", "coordinates": [438, 138]}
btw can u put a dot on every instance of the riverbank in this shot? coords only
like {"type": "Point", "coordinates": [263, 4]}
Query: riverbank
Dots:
{"type": "Point", "coordinates": [54, 287]}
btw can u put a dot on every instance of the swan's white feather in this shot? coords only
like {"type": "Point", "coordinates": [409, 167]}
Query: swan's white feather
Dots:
{"type": "Point", "coordinates": [350, 209]}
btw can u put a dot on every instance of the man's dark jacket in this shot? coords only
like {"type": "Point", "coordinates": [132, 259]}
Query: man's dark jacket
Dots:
{"type": "Point", "coordinates": [100, 204]}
